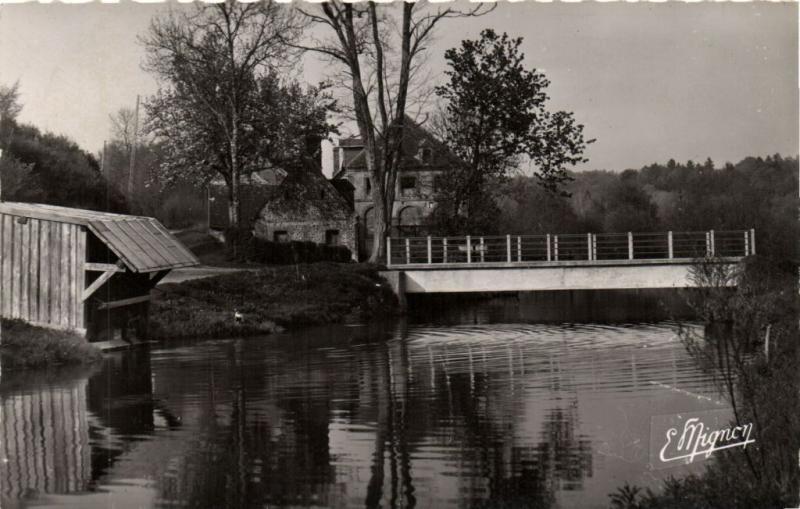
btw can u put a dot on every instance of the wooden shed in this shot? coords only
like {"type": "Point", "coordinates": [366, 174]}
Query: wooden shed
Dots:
{"type": "Point", "coordinates": [77, 269]}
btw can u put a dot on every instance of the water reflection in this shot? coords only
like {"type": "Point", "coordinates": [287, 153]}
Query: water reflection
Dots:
{"type": "Point", "coordinates": [45, 437]}
{"type": "Point", "coordinates": [532, 416]}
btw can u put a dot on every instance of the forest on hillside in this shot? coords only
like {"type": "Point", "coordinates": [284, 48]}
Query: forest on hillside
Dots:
{"type": "Point", "coordinates": [756, 192]}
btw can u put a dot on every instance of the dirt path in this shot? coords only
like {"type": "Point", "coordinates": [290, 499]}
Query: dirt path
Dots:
{"type": "Point", "coordinates": [185, 274]}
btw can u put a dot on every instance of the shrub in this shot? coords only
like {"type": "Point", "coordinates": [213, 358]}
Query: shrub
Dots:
{"type": "Point", "coordinates": [28, 346]}
{"type": "Point", "coordinates": [242, 246]}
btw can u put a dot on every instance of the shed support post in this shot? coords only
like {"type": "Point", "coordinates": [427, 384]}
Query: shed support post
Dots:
{"type": "Point", "coordinates": [97, 283]}
{"type": "Point", "coordinates": [508, 248]}
{"type": "Point", "coordinates": [588, 246]}
{"type": "Point", "coordinates": [469, 249]}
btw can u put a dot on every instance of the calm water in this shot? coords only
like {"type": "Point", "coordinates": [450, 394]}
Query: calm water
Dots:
{"type": "Point", "coordinates": [422, 416]}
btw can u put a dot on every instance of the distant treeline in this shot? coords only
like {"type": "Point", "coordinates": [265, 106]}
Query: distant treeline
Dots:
{"type": "Point", "coordinates": [760, 193]}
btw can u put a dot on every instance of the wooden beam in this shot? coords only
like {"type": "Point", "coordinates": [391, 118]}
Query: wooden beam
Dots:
{"type": "Point", "coordinates": [155, 277]}
{"type": "Point", "coordinates": [105, 276]}
{"type": "Point", "coordinates": [124, 302]}
{"type": "Point", "coordinates": [104, 267]}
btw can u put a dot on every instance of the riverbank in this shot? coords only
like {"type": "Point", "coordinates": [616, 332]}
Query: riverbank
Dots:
{"type": "Point", "coordinates": [27, 346]}
{"type": "Point", "coordinates": [269, 300]}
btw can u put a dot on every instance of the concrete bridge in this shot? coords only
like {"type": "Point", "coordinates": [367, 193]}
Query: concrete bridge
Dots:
{"type": "Point", "coordinates": [514, 263]}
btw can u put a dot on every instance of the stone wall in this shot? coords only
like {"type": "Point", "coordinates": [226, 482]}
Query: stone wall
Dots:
{"type": "Point", "coordinates": [313, 231]}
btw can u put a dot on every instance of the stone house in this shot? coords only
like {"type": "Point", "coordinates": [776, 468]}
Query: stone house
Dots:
{"type": "Point", "coordinates": [282, 206]}
{"type": "Point", "coordinates": [306, 206]}
{"type": "Point", "coordinates": [424, 159]}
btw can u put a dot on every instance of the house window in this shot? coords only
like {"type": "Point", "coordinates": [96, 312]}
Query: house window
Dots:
{"type": "Point", "coordinates": [426, 155]}
{"type": "Point", "coordinates": [280, 236]}
{"type": "Point", "coordinates": [408, 186]}
{"type": "Point", "coordinates": [332, 237]}
{"type": "Point", "coordinates": [367, 185]}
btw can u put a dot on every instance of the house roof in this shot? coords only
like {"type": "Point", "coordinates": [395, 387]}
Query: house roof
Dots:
{"type": "Point", "coordinates": [142, 243]}
{"type": "Point", "coordinates": [414, 137]}
{"type": "Point", "coordinates": [307, 195]}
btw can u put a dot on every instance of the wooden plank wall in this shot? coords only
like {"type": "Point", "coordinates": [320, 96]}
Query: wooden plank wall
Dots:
{"type": "Point", "coordinates": [41, 272]}
{"type": "Point", "coordinates": [45, 442]}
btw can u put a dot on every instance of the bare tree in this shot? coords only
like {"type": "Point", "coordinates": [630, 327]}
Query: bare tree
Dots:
{"type": "Point", "coordinates": [380, 56]}
{"type": "Point", "coordinates": [122, 127]}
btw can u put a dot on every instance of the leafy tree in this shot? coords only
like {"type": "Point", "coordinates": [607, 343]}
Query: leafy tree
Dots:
{"type": "Point", "coordinates": [43, 167]}
{"type": "Point", "coordinates": [9, 102]}
{"type": "Point", "coordinates": [495, 115]}
{"type": "Point", "coordinates": [218, 62]}
{"type": "Point", "coordinates": [365, 40]}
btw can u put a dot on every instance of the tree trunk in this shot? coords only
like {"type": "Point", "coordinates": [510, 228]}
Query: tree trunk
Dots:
{"type": "Point", "coordinates": [233, 206]}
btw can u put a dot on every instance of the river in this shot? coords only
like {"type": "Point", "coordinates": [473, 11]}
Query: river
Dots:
{"type": "Point", "coordinates": [479, 415]}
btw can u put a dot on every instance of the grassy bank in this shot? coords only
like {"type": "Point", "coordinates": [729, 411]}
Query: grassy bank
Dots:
{"type": "Point", "coordinates": [28, 346]}
{"type": "Point", "coordinates": [269, 300]}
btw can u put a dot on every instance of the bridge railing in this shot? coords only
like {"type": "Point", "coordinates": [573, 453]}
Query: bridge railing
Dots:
{"type": "Point", "coordinates": [433, 250]}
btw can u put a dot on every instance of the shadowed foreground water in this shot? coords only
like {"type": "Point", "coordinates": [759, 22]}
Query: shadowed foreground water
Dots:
{"type": "Point", "coordinates": [456, 416]}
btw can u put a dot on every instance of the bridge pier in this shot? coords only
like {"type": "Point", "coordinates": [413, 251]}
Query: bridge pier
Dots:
{"type": "Point", "coordinates": [397, 281]}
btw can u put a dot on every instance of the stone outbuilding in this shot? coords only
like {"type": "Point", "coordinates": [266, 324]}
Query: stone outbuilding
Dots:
{"type": "Point", "coordinates": [306, 206]}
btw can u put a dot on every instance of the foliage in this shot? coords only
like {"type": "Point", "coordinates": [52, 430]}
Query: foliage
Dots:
{"type": "Point", "coordinates": [269, 299]}
{"type": "Point", "coordinates": [755, 193]}
{"type": "Point", "coordinates": [761, 383]}
{"type": "Point", "coordinates": [365, 40]}
{"type": "Point", "coordinates": [26, 346]}
{"type": "Point", "coordinates": [32, 161]}
{"type": "Point", "coordinates": [223, 109]}
{"type": "Point", "coordinates": [495, 114]}
{"type": "Point", "coordinates": [244, 247]}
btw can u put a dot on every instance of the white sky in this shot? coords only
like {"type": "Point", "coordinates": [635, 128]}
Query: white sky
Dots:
{"type": "Point", "coordinates": [649, 81]}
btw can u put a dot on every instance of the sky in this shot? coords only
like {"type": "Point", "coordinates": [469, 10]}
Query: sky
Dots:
{"type": "Point", "coordinates": [650, 81]}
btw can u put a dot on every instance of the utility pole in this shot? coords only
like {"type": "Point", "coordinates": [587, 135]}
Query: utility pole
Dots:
{"type": "Point", "coordinates": [103, 160]}
{"type": "Point", "coordinates": [131, 169]}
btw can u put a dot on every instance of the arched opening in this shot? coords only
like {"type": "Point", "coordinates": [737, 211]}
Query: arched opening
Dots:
{"type": "Point", "coordinates": [410, 221]}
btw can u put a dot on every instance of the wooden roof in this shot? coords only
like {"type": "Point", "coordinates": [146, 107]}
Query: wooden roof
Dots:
{"type": "Point", "coordinates": [142, 243]}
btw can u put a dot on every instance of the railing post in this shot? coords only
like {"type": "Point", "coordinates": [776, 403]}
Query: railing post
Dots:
{"type": "Point", "coordinates": [747, 243]}
{"type": "Point", "coordinates": [508, 248]}
{"type": "Point", "coordinates": [555, 247]}
{"type": "Point", "coordinates": [548, 247]}
{"type": "Point", "coordinates": [594, 246]}
{"type": "Point", "coordinates": [408, 251]}
{"type": "Point", "coordinates": [444, 250]}
{"type": "Point", "coordinates": [752, 241]}
{"type": "Point", "coordinates": [388, 250]}
{"type": "Point", "coordinates": [482, 248]}
{"type": "Point", "coordinates": [430, 251]}
{"type": "Point", "coordinates": [469, 249]}
{"type": "Point", "coordinates": [519, 248]}
{"type": "Point", "coordinates": [713, 247]}
{"type": "Point", "coordinates": [630, 245]}
{"type": "Point", "coordinates": [670, 251]}
{"type": "Point", "coordinates": [589, 246]}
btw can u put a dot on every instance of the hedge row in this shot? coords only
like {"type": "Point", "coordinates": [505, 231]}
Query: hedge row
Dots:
{"type": "Point", "coordinates": [244, 247]}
